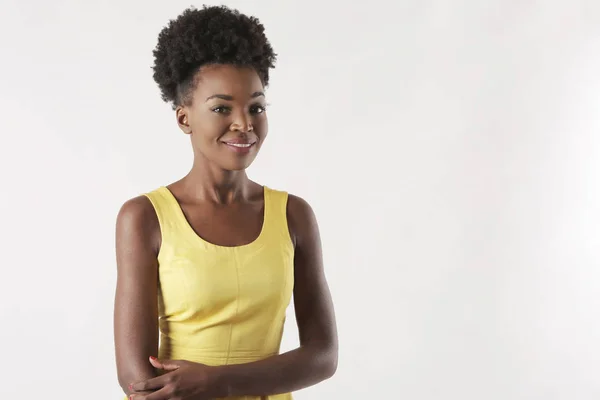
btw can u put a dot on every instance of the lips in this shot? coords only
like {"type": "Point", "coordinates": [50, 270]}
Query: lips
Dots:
{"type": "Point", "coordinates": [239, 141]}
{"type": "Point", "coordinates": [239, 146]}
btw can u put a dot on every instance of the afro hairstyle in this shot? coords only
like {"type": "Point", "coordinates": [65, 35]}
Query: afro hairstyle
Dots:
{"type": "Point", "coordinates": [211, 35]}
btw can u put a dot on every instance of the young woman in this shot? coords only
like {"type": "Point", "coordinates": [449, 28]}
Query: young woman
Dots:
{"type": "Point", "coordinates": [207, 265]}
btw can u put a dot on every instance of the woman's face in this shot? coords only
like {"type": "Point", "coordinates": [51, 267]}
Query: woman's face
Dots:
{"type": "Point", "coordinates": [226, 119]}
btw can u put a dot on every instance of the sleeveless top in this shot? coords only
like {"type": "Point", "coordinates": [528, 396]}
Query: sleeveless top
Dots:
{"type": "Point", "coordinates": [223, 305]}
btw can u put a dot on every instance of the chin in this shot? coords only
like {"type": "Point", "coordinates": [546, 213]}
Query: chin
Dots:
{"type": "Point", "coordinates": [236, 166]}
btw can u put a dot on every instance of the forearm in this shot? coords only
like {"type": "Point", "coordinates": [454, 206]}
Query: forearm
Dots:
{"type": "Point", "coordinates": [288, 372]}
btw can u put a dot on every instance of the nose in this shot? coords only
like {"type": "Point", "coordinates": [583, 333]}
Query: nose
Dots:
{"type": "Point", "coordinates": [242, 122]}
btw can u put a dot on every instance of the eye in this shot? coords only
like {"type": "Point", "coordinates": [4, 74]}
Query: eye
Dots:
{"type": "Point", "coordinates": [221, 109]}
{"type": "Point", "coordinates": [258, 109]}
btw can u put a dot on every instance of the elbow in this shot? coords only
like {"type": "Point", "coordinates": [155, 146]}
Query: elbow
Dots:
{"type": "Point", "coordinates": [331, 365]}
{"type": "Point", "coordinates": [127, 375]}
{"type": "Point", "coordinates": [125, 379]}
{"type": "Point", "coordinates": [327, 361]}
{"type": "Point", "coordinates": [122, 382]}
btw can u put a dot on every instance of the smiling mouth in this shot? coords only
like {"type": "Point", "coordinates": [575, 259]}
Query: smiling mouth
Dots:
{"type": "Point", "coordinates": [240, 145]}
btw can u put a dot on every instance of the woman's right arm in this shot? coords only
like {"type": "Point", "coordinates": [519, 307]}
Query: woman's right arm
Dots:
{"type": "Point", "coordinates": [136, 302]}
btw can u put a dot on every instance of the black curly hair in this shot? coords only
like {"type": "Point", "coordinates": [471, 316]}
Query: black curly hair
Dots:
{"type": "Point", "coordinates": [211, 35]}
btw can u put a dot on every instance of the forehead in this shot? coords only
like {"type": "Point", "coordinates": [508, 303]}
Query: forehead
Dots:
{"type": "Point", "coordinates": [227, 79]}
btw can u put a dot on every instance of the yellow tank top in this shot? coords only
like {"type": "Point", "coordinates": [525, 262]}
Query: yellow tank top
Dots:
{"type": "Point", "coordinates": [223, 305]}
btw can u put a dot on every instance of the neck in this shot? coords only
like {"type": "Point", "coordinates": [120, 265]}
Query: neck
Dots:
{"type": "Point", "coordinates": [207, 182]}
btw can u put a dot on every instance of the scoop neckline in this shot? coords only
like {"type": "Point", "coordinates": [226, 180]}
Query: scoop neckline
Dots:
{"type": "Point", "coordinates": [190, 230]}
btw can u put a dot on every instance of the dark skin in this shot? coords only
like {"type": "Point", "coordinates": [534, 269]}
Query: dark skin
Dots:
{"type": "Point", "coordinates": [226, 208]}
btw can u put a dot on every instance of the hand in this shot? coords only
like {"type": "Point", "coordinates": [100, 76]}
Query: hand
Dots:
{"type": "Point", "coordinates": [182, 380]}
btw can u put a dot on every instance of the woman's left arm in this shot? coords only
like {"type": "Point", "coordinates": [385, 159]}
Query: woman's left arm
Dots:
{"type": "Point", "coordinates": [316, 358]}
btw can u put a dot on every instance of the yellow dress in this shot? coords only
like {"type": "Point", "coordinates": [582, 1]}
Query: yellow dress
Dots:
{"type": "Point", "coordinates": [223, 305]}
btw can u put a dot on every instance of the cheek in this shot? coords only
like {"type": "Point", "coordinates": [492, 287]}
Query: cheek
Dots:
{"type": "Point", "coordinates": [261, 126]}
{"type": "Point", "coordinates": [210, 127]}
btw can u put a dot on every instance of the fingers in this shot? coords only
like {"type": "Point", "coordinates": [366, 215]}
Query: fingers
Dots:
{"type": "Point", "coordinates": [168, 365]}
{"type": "Point", "coordinates": [138, 396]}
{"type": "Point", "coordinates": [163, 394]}
{"type": "Point", "coordinates": [156, 363]}
{"type": "Point", "coordinates": [151, 384]}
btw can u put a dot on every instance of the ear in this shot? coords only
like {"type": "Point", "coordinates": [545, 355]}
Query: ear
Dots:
{"type": "Point", "coordinates": [181, 113]}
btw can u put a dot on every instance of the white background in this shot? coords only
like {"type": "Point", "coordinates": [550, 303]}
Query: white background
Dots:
{"type": "Point", "coordinates": [449, 148]}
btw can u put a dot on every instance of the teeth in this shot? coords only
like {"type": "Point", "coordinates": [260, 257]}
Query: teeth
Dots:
{"type": "Point", "coordinates": [240, 144]}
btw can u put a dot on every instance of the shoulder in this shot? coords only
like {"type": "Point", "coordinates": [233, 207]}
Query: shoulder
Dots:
{"type": "Point", "coordinates": [298, 207]}
{"type": "Point", "coordinates": [137, 217]}
{"type": "Point", "coordinates": [302, 220]}
{"type": "Point", "coordinates": [137, 210]}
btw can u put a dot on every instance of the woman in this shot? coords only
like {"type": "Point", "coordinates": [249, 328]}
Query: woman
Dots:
{"type": "Point", "coordinates": [208, 264]}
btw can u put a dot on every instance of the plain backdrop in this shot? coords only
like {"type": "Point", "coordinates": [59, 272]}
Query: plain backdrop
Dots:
{"type": "Point", "coordinates": [450, 150]}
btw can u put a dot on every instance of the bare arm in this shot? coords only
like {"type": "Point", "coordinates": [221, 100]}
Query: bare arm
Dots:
{"type": "Point", "coordinates": [136, 304]}
{"type": "Point", "coordinates": [316, 358]}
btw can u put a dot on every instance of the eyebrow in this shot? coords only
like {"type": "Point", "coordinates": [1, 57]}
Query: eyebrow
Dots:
{"type": "Point", "coordinates": [230, 98]}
